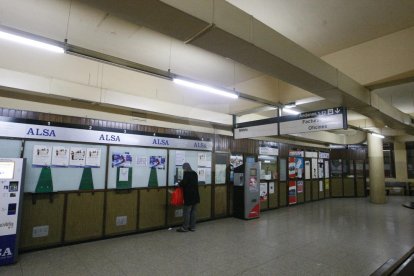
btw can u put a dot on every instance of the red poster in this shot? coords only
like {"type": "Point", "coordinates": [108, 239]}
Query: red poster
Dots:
{"type": "Point", "coordinates": [292, 168]}
{"type": "Point", "coordinates": [292, 193]}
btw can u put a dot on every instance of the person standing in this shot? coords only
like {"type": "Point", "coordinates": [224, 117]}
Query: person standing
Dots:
{"type": "Point", "coordinates": [191, 198]}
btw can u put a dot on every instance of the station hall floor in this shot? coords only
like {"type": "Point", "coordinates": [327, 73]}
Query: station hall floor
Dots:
{"type": "Point", "coordinates": [347, 236]}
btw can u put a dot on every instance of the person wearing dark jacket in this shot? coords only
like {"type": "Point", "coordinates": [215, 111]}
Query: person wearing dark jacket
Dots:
{"type": "Point", "coordinates": [191, 198]}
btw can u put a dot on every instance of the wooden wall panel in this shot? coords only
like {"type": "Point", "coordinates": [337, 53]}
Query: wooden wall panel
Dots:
{"type": "Point", "coordinates": [204, 208]}
{"type": "Point", "coordinates": [84, 216]}
{"type": "Point", "coordinates": [349, 187]}
{"type": "Point", "coordinates": [121, 204]}
{"type": "Point", "coordinates": [315, 189]}
{"type": "Point", "coordinates": [152, 208]}
{"type": "Point", "coordinates": [274, 198]}
{"type": "Point", "coordinates": [41, 210]}
{"type": "Point", "coordinates": [220, 201]}
{"type": "Point", "coordinates": [283, 194]}
{"type": "Point", "coordinates": [308, 190]}
{"type": "Point", "coordinates": [360, 187]}
{"type": "Point", "coordinates": [337, 187]}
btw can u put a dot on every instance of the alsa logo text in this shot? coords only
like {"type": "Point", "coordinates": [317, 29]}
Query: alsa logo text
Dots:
{"type": "Point", "coordinates": [200, 145]}
{"type": "Point", "coordinates": [6, 252]}
{"type": "Point", "coordinates": [162, 142]}
{"type": "Point", "coordinates": [109, 138]}
{"type": "Point", "coordinates": [41, 132]}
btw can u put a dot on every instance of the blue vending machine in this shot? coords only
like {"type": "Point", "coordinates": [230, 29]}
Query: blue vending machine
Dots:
{"type": "Point", "coordinates": [11, 199]}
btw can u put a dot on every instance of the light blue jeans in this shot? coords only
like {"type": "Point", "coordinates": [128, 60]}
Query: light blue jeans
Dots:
{"type": "Point", "coordinates": [189, 213]}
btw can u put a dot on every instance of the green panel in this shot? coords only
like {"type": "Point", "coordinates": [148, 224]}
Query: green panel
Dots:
{"type": "Point", "coordinates": [153, 178]}
{"type": "Point", "coordinates": [41, 210]}
{"type": "Point", "coordinates": [283, 194]}
{"type": "Point", "coordinates": [45, 183]}
{"type": "Point", "coordinates": [86, 180]}
{"type": "Point", "coordinates": [204, 208]}
{"type": "Point", "coordinates": [349, 187]}
{"type": "Point", "coordinates": [220, 204]}
{"type": "Point", "coordinates": [336, 187]}
{"type": "Point", "coordinates": [360, 187]}
{"type": "Point", "coordinates": [118, 206]}
{"type": "Point", "coordinates": [315, 189]}
{"type": "Point", "coordinates": [327, 187]}
{"type": "Point", "coordinates": [152, 208]}
{"type": "Point", "coordinates": [308, 190]}
{"type": "Point", "coordinates": [84, 216]}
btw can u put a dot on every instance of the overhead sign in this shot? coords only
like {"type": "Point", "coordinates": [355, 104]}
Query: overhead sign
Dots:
{"type": "Point", "coordinates": [325, 119]}
{"type": "Point", "coordinates": [18, 130]}
{"type": "Point", "coordinates": [259, 128]}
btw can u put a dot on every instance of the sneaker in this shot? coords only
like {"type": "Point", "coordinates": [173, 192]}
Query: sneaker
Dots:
{"type": "Point", "coordinates": [191, 229]}
{"type": "Point", "coordinates": [181, 229]}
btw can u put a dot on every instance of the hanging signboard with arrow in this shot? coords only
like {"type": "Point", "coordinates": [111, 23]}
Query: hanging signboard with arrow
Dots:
{"type": "Point", "coordinates": [319, 120]}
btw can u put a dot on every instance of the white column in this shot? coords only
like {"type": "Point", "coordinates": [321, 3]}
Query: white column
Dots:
{"type": "Point", "coordinates": [376, 170]}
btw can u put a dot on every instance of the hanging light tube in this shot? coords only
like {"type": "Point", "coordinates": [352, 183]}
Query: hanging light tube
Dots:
{"type": "Point", "coordinates": [205, 88]}
{"type": "Point", "coordinates": [290, 111]}
{"type": "Point", "coordinates": [31, 42]}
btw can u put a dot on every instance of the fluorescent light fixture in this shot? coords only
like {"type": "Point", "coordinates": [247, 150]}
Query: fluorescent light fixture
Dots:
{"type": "Point", "coordinates": [31, 42]}
{"type": "Point", "coordinates": [290, 111]}
{"type": "Point", "coordinates": [205, 88]}
{"type": "Point", "coordinates": [290, 105]}
{"type": "Point", "coordinates": [378, 135]}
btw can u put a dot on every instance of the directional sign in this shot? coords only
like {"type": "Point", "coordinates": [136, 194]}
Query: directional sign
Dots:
{"type": "Point", "coordinates": [259, 128]}
{"type": "Point", "coordinates": [325, 119]}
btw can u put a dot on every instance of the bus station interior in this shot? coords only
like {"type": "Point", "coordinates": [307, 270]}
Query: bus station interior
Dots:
{"type": "Point", "coordinates": [330, 198]}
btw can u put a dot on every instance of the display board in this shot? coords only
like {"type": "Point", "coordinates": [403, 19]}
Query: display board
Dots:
{"type": "Point", "coordinates": [56, 166]}
{"type": "Point", "coordinates": [133, 167]}
{"type": "Point", "coordinates": [200, 162]}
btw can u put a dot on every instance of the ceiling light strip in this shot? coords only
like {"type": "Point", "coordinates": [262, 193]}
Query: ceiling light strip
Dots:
{"type": "Point", "coordinates": [205, 88]}
{"type": "Point", "coordinates": [31, 42]}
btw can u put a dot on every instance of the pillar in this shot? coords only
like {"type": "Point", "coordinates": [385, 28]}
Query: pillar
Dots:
{"type": "Point", "coordinates": [400, 156]}
{"type": "Point", "coordinates": [376, 170]}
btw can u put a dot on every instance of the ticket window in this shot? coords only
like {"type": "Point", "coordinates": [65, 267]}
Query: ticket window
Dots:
{"type": "Point", "coordinates": [268, 167]}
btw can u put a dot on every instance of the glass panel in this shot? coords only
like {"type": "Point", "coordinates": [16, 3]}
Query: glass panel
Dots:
{"type": "Point", "coordinates": [336, 168]}
{"type": "Point", "coordinates": [268, 167]}
{"type": "Point", "coordinates": [282, 171]}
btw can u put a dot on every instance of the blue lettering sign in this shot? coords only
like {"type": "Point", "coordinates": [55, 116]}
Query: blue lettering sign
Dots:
{"type": "Point", "coordinates": [41, 132]}
{"type": "Point", "coordinates": [162, 142]}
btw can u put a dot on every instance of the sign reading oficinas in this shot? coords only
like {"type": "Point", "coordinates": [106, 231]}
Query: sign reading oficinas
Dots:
{"type": "Point", "coordinates": [19, 130]}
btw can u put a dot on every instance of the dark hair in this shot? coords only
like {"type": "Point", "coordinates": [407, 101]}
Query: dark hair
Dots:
{"type": "Point", "coordinates": [187, 167]}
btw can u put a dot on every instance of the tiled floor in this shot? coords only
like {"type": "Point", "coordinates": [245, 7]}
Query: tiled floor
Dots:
{"type": "Point", "coordinates": [329, 237]}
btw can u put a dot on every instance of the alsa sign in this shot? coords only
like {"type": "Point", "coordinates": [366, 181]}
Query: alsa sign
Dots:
{"type": "Point", "coordinates": [9, 129]}
{"type": "Point", "coordinates": [325, 119]}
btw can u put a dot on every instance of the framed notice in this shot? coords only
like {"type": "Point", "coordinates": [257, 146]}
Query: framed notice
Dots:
{"type": "Point", "coordinates": [60, 156]}
{"type": "Point", "coordinates": [42, 156]}
{"type": "Point", "coordinates": [220, 176]}
{"type": "Point", "coordinates": [93, 157]}
{"type": "Point", "coordinates": [77, 157]}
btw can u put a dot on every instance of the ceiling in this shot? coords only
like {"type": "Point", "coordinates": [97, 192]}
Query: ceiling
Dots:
{"type": "Point", "coordinates": [320, 26]}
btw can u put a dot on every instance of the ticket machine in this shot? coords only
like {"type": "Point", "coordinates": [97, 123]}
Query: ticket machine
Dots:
{"type": "Point", "coordinates": [11, 199]}
{"type": "Point", "coordinates": [247, 190]}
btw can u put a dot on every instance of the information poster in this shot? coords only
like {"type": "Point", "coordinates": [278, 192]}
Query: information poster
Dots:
{"type": "Point", "coordinates": [253, 185]}
{"type": "Point", "coordinates": [157, 162]}
{"type": "Point", "coordinates": [122, 160]}
{"type": "Point", "coordinates": [142, 161]}
{"type": "Point", "coordinates": [220, 177]}
{"type": "Point", "coordinates": [299, 167]}
{"type": "Point", "coordinates": [201, 174]}
{"type": "Point", "coordinates": [204, 159]}
{"type": "Point", "coordinates": [179, 157]}
{"type": "Point", "coordinates": [314, 168]}
{"type": "Point", "coordinates": [320, 168]}
{"type": "Point", "coordinates": [326, 169]}
{"type": "Point", "coordinates": [299, 184]}
{"type": "Point", "coordinates": [307, 169]}
{"type": "Point", "coordinates": [77, 157]}
{"type": "Point", "coordinates": [271, 188]}
{"type": "Point", "coordinates": [60, 156]}
{"type": "Point", "coordinates": [320, 185]}
{"type": "Point", "coordinates": [292, 193]}
{"type": "Point", "coordinates": [263, 191]}
{"type": "Point", "coordinates": [93, 157]}
{"type": "Point", "coordinates": [123, 175]}
{"type": "Point", "coordinates": [42, 156]}
{"type": "Point", "coordinates": [292, 170]}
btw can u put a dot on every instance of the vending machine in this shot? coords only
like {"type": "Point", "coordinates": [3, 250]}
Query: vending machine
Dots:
{"type": "Point", "coordinates": [247, 190]}
{"type": "Point", "coordinates": [11, 199]}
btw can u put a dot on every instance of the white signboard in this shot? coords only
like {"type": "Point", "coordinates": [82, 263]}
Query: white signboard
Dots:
{"type": "Point", "coordinates": [324, 155]}
{"type": "Point", "coordinates": [43, 132]}
{"type": "Point", "coordinates": [326, 119]}
{"type": "Point", "coordinates": [311, 154]}
{"type": "Point", "coordinates": [256, 131]}
{"type": "Point", "coordinates": [268, 151]}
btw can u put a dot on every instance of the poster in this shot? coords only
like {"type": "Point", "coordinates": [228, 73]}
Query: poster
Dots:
{"type": "Point", "coordinates": [263, 192]}
{"type": "Point", "coordinates": [314, 168]}
{"type": "Point", "coordinates": [236, 160]}
{"type": "Point", "coordinates": [320, 185]}
{"type": "Point", "coordinates": [307, 169]}
{"type": "Point", "coordinates": [157, 162]}
{"type": "Point", "coordinates": [207, 173]}
{"type": "Point", "coordinates": [271, 187]}
{"type": "Point", "coordinates": [326, 184]}
{"type": "Point", "coordinates": [201, 174]}
{"type": "Point", "coordinates": [42, 156]}
{"type": "Point", "coordinates": [60, 156]}
{"type": "Point", "coordinates": [123, 174]}
{"type": "Point", "coordinates": [220, 177]}
{"type": "Point", "coordinates": [299, 184]}
{"type": "Point", "coordinates": [77, 157]}
{"type": "Point", "coordinates": [204, 159]}
{"type": "Point", "coordinates": [142, 161]}
{"type": "Point", "coordinates": [179, 157]}
{"type": "Point", "coordinates": [121, 160]}
{"type": "Point", "coordinates": [326, 169]}
{"type": "Point", "coordinates": [291, 167]}
{"type": "Point", "coordinates": [253, 185]}
{"type": "Point", "coordinates": [292, 193]}
{"type": "Point", "coordinates": [320, 168]}
{"type": "Point", "coordinates": [299, 167]}
{"type": "Point", "coordinates": [93, 157]}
